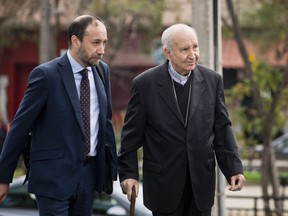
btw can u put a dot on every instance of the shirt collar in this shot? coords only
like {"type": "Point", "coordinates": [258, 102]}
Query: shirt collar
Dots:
{"type": "Point", "coordinates": [176, 76]}
{"type": "Point", "coordinates": [76, 67]}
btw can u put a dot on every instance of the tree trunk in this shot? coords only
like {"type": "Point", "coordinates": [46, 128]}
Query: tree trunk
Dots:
{"type": "Point", "coordinates": [268, 168]}
{"type": "Point", "coordinates": [243, 51]}
{"type": "Point", "coordinates": [270, 177]}
{"type": "Point", "coordinates": [265, 182]}
{"type": "Point", "coordinates": [272, 173]}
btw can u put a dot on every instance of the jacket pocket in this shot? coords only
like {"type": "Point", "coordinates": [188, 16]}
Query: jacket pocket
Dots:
{"type": "Point", "coordinates": [211, 163]}
{"type": "Point", "coordinates": [47, 154]}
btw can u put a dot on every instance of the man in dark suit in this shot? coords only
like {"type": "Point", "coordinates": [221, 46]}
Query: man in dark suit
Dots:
{"type": "Point", "coordinates": [177, 113]}
{"type": "Point", "coordinates": [62, 176]}
{"type": "Point", "coordinates": [4, 128]}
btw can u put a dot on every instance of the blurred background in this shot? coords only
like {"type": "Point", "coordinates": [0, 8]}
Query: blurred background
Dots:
{"type": "Point", "coordinates": [244, 40]}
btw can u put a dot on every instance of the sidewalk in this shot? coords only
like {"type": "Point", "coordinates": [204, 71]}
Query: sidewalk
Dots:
{"type": "Point", "coordinates": [245, 203]}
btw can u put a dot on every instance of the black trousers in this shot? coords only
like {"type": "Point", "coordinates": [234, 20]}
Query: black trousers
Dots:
{"type": "Point", "coordinates": [187, 206]}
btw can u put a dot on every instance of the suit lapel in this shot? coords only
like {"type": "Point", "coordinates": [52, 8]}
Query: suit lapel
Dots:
{"type": "Point", "coordinates": [69, 83]}
{"type": "Point", "coordinates": [197, 91]}
{"type": "Point", "coordinates": [166, 91]}
{"type": "Point", "coordinates": [102, 99]}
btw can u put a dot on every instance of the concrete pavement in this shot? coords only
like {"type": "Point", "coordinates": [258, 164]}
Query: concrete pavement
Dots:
{"type": "Point", "coordinates": [243, 202]}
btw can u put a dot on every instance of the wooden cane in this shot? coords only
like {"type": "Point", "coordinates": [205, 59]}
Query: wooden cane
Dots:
{"type": "Point", "coordinates": [133, 200]}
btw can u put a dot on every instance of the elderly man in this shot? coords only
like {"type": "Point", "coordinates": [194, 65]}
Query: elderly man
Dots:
{"type": "Point", "coordinates": [177, 113]}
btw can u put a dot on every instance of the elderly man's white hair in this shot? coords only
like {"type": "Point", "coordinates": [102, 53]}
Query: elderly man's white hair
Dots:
{"type": "Point", "coordinates": [167, 35]}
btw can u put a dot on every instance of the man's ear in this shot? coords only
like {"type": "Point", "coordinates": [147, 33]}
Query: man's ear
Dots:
{"type": "Point", "coordinates": [167, 53]}
{"type": "Point", "coordinates": [75, 41]}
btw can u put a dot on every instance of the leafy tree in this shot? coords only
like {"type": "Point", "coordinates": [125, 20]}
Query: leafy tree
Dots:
{"type": "Point", "coordinates": [20, 22]}
{"type": "Point", "coordinates": [9, 21]}
{"type": "Point", "coordinates": [131, 24]}
{"type": "Point", "coordinates": [265, 85]}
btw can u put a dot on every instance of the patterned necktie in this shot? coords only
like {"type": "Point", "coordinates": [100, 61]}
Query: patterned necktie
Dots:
{"type": "Point", "coordinates": [85, 108]}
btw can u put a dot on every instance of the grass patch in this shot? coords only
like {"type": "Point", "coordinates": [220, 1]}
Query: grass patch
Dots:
{"type": "Point", "coordinates": [254, 177]}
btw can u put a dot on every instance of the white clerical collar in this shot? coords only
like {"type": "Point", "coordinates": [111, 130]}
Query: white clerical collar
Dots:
{"type": "Point", "coordinates": [176, 76]}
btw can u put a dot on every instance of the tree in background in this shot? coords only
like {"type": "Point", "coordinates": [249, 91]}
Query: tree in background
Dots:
{"type": "Point", "coordinates": [13, 13]}
{"type": "Point", "coordinates": [22, 20]}
{"type": "Point", "coordinates": [265, 84]}
{"type": "Point", "coordinates": [131, 24]}
{"type": "Point", "coordinates": [136, 22]}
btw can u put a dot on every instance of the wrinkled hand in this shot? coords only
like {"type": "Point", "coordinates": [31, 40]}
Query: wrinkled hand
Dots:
{"type": "Point", "coordinates": [237, 182]}
{"type": "Point", "coordinates": [127, 185]}
{"type": "Point", "coordinates": [4, 189]}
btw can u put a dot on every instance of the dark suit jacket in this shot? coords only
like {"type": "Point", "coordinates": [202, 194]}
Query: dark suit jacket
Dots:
{"type": "Point", "coordinates": [154, 121]}
{"type": "Point", "coordinates": [51, 109]}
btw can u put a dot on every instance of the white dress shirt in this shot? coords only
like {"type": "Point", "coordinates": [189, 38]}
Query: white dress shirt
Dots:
{"type": "Point", "coordinates": [94, 103]}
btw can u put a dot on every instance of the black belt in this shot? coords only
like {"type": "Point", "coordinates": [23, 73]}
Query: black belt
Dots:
{"type": "Point", "coordinates": [88, 159]}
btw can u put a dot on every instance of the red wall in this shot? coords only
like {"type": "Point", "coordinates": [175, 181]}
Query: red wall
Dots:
{"type": "Point", "coordinates": [17, 61]}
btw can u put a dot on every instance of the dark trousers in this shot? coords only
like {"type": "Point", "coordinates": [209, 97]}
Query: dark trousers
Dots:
{"type": "Point", "coordinates": [187, 206]}
{"type": "Point", "coordinates": [79, 204]}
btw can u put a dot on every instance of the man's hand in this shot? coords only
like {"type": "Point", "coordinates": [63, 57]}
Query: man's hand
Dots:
{"type": "Point", "coordinates": [237, 182]}
{"type": "Point", "coordinates": [4, 189]}
{"type": "Point", "coordinates": [127, 185]}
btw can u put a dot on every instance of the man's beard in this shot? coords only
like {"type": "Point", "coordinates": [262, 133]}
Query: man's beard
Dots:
{"type": "Point", "coordinates": [85, 59]}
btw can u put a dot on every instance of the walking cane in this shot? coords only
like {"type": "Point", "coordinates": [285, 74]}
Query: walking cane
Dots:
{"type": "Point", "coordinates": [133, 200]}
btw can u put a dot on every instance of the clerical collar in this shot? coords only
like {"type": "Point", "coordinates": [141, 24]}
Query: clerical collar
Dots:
{"type": "Point", "coordinates": [176, 76]}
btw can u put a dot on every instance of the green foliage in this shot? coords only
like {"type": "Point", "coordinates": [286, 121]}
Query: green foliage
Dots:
{"type": "Point", "coordinates": [129, 8]}
{"type": "Point", "coordinates": [254, 177]}
{"type": "Point", "coordinates": [270, 33]}
{"type": "Point", "coordinates": [270, 20]}
{"type": "Point", "coordinates": [127, 18]}
{"type": "Point", "coordinates": [268, 79]}
{"type": "Point", "coordinates": [226, 32]}
{"type": "Point", "coordinates": [11, 20]}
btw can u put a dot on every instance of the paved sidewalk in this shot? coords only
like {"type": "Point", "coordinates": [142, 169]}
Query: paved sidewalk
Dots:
{"type": "Point", "coordinates": [248, 191]}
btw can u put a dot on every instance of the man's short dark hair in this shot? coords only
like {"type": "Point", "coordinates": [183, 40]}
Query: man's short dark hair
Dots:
{"type": "Point", "coordinates": [79, 25]}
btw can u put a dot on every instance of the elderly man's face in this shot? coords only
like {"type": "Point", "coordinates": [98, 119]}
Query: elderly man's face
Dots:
{"type": "Point", "coordinates": [184, 54]}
